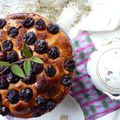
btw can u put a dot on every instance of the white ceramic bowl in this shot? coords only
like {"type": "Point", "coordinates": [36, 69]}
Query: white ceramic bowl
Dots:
{"type": "Point", "coordinates": [104, 68]}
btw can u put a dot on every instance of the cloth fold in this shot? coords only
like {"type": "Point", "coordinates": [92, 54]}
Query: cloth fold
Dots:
{"type": "Point", "coordinates": [102, 17]}
{"type": "Point", "coordinates": [94, 103]}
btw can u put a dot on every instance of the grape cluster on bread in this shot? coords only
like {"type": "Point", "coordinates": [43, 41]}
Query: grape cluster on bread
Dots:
{"type": "Point", "coordinates": [48, 82]}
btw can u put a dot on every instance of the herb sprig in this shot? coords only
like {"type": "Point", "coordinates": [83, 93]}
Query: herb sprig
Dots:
{"type": "Point", "coordinates": [15, 68]}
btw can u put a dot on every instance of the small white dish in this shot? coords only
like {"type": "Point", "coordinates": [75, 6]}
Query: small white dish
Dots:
{"type": "Point", "coordinates": [104, 68]}
{"type": "Point", "coordinates": [68, 107]}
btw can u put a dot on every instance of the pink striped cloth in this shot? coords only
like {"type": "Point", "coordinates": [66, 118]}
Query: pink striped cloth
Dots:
{"type": "Point", "coordinates": [93, 102]}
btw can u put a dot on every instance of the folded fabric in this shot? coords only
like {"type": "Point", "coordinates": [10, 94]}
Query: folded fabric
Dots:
{"type": "Point", "coordinates": [103, 16]}
{"type": "Point", "coordinates": [94, 103]}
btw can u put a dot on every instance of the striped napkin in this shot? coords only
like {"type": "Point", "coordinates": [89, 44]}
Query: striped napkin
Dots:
{"type": "Point", "coordinates": [94, 103]}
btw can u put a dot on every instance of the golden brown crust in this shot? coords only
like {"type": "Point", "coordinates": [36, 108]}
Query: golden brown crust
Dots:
{"type": "Point", "coordinates": [45, 86]}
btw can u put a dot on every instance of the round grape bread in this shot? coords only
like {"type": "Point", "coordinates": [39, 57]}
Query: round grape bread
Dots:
{"type": "Point", "coordinates": [36, 65]}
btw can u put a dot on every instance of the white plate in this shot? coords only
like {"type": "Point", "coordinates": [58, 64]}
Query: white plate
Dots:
{"type": "Point", "coordinates": [68, 107]}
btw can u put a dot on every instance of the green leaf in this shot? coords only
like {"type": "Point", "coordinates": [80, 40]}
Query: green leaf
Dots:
{"type": "Point", "coordinates": [2, 63]}
{"type": "Point", "coordinates": [26, 52]}
{"type": "Point", "coordinates": [27, 67]}
{"type": "Point", "coordinates": [17, 70]}
{"type": "Point", "coordinates": [37, 60]}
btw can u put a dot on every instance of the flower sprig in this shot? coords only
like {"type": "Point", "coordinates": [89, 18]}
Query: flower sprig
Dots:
{"type": "Point", "coordinates": [15, 68]}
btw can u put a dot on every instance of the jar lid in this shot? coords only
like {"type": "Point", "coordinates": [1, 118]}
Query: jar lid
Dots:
{"type": "Point", "coordinates": [108, 69]}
